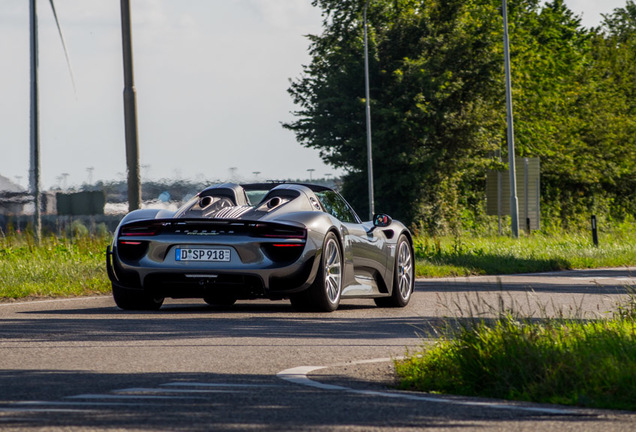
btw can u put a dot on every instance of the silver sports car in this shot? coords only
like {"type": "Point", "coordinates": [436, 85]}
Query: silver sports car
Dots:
{"type": "Point", "coordinates": [275, 240]}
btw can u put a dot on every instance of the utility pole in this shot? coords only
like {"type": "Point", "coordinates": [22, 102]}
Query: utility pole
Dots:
{"type": "Point", "coordinates": [514, 205]}
{"type": "Point", "coordinates": [130, 112]}
{"type": "Point", "coordinates": [368, 114]}
{"type": "Point", "coordinates": [34, 172]}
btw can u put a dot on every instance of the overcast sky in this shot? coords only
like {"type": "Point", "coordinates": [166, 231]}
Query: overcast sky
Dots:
{"type": "Point", "coordinates": [211, 79]}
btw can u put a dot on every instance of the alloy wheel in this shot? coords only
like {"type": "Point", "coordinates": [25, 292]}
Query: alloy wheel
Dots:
{"type": "Point", "coordinates": [332, 269]}
{"type": "Point", "coordinates": [405, 270]}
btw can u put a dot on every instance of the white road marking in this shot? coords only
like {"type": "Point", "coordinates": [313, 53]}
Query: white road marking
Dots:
{"type": "Point", "coordinates": [199, 384]}
{"type": "Point", "coordinates": [140, 390]}
{"type": "Point", "coordinates": [43, 410]}
{"type": "Point", "coordinates": [67, 403]}
{"type": "Point", "coordinates": [127, 396]}
{"type": "Point", "coordinates": [298, 375]}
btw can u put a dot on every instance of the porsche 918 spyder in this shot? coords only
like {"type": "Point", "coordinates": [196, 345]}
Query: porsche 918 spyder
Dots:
{"type": "Point", "coordinates": [275, 240]}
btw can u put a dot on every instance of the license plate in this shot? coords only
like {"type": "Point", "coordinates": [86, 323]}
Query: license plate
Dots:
{"type": "Point", "coordinates": [202, 254]}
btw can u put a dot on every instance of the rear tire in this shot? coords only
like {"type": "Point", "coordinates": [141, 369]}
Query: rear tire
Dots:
{"type": "Point", "coordinates": [403, 276]}
{"type": "Point", "coordinates": [324, 294]}
{"type": "Point", "coordinates": [133, 300]}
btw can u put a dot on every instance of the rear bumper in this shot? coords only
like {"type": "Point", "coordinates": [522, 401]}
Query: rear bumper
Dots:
{"type": "Point", "coordinates": [273, 283]}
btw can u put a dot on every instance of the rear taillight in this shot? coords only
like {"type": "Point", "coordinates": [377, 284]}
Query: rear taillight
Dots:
{"type": "Point", "coordinates": [283, 252]}
{"type": "Point", "coordinates": [290, 235]}
{"type": "Point", "coordinates": [140, 230]}
{"type": "Point", "coordinates": [280, 232]}
{"type": "Point", "coordinates": [131, 250]}
{"type": "Point", "coordinates": [281, 243]}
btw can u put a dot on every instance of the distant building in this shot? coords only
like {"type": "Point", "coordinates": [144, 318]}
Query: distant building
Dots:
{"type": "Point", "coordinates": [12, 197]}
{"type": "Point", "coordinates": [7, 185]}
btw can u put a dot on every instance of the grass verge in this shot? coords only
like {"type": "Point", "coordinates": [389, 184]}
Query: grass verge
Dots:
{"type": "Point", "coordinates": [569, 362]}
{"type": "Point", "coordinates": [463, 256]}
{"type": "Point", "coordinates": [57, 267]}
{"type": "Point", "coordinates": [74, 265]}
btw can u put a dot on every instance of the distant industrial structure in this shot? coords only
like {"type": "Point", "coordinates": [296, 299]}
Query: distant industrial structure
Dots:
{"type": "Point", "coordinates": [11, 197]}
{"type": "Point", "coordinates": [97, 203]}
{"type": "Point", "coordinates": [17, 206]}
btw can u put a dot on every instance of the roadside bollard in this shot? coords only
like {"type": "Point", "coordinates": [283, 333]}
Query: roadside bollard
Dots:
{"type": "Point", "coordinates": [594, 231]}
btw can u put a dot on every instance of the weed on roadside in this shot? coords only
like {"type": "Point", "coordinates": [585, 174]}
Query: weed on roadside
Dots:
{"type": "Point", "coordinates": [492, 351]}
{"type": "Point", "coordinates": [58, 266]}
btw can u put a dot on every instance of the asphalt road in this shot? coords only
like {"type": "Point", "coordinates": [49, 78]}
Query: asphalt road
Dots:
{"type": "Point", "coordinates": [83, 364]}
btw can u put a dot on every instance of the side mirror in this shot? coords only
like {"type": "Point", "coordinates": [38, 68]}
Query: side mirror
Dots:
{"type": "Point", "coordinates": [381, 220]}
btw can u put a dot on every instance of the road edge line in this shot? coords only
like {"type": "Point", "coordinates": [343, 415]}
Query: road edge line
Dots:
{"type": "Point", "coordinates": [298, 375]}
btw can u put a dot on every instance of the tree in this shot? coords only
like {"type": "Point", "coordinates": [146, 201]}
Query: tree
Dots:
{"type": "Point", "coordinates": [550, 54]}
{"type": "Point", "coordinates": [614, 52]}
{"type": "Point", "coordinates": [432, 69]}
{"type": "Point", "coordinates": [621, 24]}
{"type": "Point", "coordinates": [574, 110]}
{"type": "Point", "coordinates": [438, 112]}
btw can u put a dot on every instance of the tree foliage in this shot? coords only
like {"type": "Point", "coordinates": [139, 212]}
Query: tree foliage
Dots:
{"type": "Point", "coordinates": [437, 103]}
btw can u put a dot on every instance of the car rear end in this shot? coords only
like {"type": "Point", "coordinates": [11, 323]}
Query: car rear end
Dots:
{"type": "Point", "coordinates": [183, 258]}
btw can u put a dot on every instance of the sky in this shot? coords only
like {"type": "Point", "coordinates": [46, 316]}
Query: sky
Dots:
{"type": "Point", "coordinates": [211, 79]}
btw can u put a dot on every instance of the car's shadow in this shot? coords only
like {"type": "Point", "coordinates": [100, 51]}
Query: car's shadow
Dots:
{"type": "Point", "coordinates": [182, 321]}
{"type": "Point", "coordinates": [194, 307]}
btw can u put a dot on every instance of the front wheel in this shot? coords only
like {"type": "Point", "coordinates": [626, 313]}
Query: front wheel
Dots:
{"type": "Point", "coordinates": [133, 300]}
{"type": "Point", "coordinates": [324, 294]}
{"type": "Point", "coordinates": [403, 276]}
